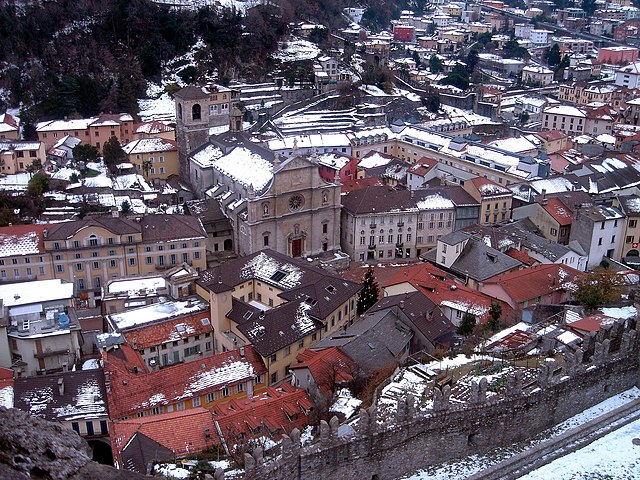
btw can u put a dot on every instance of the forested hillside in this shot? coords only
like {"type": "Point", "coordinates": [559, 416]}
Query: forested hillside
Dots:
{"type": "Point", "coordinates": [82, 57]}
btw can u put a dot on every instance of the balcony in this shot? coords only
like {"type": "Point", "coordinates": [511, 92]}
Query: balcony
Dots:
{"type": "Point", "coordinates": [372, 247]}
{"type": "Point", "coordinates": [401, 224]}
{"type": "Point", "coordinates": [373, 225]}
{"type": "Point", "coordinates": [399, 245]}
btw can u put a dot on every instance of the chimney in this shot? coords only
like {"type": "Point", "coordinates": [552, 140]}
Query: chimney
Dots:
{"type": "Point", "coordinates": [241, 352]}
{"type": "Point", "coordinates": [61, 386]}
{"type": "Point", "coordinates": [544, 197]}
{"type": "Point", "coordinates": [401, 304]}
{"type": "Point", "coordinates": [114, 212]}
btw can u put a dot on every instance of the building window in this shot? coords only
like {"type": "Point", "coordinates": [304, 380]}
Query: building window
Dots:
{"type": "Point", "coordinates": [195, 402]}
{"type": "Point", "coordinates": [132, 261]}
{"type": "Point", "coordinates": [212, 397]}
{"type": "Point", "coordinates": [225, 392]}
{"type": "Point", "coordinates": [240, 387]}
{"type": "Point", "coordinates": [274, 377]}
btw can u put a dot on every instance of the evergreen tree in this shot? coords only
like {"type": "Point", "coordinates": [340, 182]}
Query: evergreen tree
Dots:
{"type": "Point", "coordinates": [125, 207]}
{"type": "Point", "coordinates": [472, 60]}
{"type": "Point", "coordinates": [495, 312]}
{"type": "Point", "coordinates": [435, 64]}
{"type": "Point", "coordinates": [113, 153]}
{"type": "Point", "coordinates": [467, 324]}
{"type": "Point", "coordinates": [553, 55]}
{"type": "Point", "coordinates": [38, 184]}
{"type": "Point", "coordinates": [369, 293]}
{"type": "Point", "coordinates": [83, 152]}
{"type": "Point", "coordinates": [458, 77]}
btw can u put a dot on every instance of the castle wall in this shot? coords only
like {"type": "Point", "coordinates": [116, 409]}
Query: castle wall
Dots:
{"type": "Point", "coordinates": [417, 440]}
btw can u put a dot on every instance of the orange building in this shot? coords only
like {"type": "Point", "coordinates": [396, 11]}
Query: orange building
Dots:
{"type": "Point", "coordinates": [93, 131]}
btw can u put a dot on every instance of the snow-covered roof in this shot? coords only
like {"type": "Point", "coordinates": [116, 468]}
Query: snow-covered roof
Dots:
{"type": "Point", "coordinates": [144, 286]}
{"type": "Point", "coordinates": [567, 110]}
{"type": "Point", "coordinates": [39, 291]}
{"type": "Point", "coordinates": [155, 313]}
{"type": "Point", "coordinates": [375, 160]}
{"type": "Point", "coordinates": [206, 156]}
{"type": "Point", "coordinates": [56, 125]}
{"type": "Point", "coordinates": [245, 167]}
{"type": "Point", "coordinates": [149, 145]}
{"type": "Point", "coordinates": [333, 160]}
{"type": "Point", "coordinates": [434, 202]}
{"type": "Point", "coordinates": [310, 141]}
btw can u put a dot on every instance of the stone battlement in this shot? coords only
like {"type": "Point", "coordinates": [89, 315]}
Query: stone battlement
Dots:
{"type": "Point", "coordinates": [608, 363]}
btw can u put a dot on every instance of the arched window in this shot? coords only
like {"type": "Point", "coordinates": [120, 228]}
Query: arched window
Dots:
{"type": "Point", "coordinates": [325, 198]}
{"type": "Point", "coordinates": [180, 111]}
{"type": "Point", "coordinates": [196, 113]}
{"type": "Point", "coordinates": [265, 209]}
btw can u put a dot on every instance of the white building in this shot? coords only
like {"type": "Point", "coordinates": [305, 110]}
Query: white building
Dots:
{"type": "Point", "coordinates": [41, 326]}
{"type": "Point", "coordinates": [629, 76]}
{"type": "Point", "coordinates": [598, 230]}
{"type": "Point", "coordinates": [539, 36]}
{"type": "Point", "coordinates": [567, 119]}
{"type": "Point", "coordinates": [537, 75]}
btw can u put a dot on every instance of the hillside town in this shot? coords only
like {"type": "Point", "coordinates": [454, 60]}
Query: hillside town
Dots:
{"type": "Point", "coordinates": [409, 212]}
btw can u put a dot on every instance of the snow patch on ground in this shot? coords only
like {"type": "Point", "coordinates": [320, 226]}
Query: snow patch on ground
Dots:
{"type": "Point", "coordinates": [296, 49]}
{"type": "Point", "coordinates": [171, 471]}
{"type": "Point", "coordinates": [345, 404]}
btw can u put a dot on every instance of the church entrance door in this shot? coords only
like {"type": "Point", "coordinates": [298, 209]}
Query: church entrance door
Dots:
{"type": "Point", "coordinates": [296, 247]}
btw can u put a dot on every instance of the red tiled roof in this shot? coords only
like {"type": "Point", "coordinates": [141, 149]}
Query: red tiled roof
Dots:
{"type": "Point", "coordinates": [521, 256]}
{"type": "Point", "coordinates": [327, 366]}
{"type": "Point", "coordinates": [275, 412]}
{"type": "Point", "coordinates": [181, 432]}
{"type": "Point", "coordinates": [134, 388]}
{"type": "Point", "coordinates": [592, 323]}
{"type": "Point", "coordinates": [530, 283]}
{"type": "Point", "coordinates": [488, 187]}
{"type": "Point", "coordinates": [169, 331]}
{"type": "Point", "coordinates": [152, 127]}
{"type": "Point", "coordinates": [422, 166]}
{"type": "Point", "coordinates": [8, 119]}
{"type": "Point", "coordinates": [551, 135]}
{"type": "Point", "coordinates": [514, 340]}
{"type": "Point", "coordinates": [359, 183]}
{"type": "Point", "coordinates": [22, 239]}
{"type": "Point", "coordinates": [559, 211]}
{"type": "Point", "coordinates": [437, 285]}
{"type": "Point", "coordinates": [6, 377]}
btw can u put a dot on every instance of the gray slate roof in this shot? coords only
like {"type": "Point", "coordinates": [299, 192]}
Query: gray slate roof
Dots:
{"type": "Point", "coordinates": [374, 342]}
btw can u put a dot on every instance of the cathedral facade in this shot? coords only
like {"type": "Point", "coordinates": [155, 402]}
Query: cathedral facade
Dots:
{"type": "Point", "coordinates": [271, 202]}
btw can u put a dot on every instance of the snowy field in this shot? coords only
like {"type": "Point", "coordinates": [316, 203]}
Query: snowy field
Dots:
{"type": "Point", "coordinates": [613, 457]}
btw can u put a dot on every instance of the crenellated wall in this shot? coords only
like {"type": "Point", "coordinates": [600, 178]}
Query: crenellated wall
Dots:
{"type": "Point", "coordinates": [607, 364]}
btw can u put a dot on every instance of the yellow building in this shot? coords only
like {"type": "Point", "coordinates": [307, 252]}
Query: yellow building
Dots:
{"type": "Point", "coordinates": [91, 251]}
{"type": "Point", "coordinates": [154, 158]}
{"type": "Point", "coordinates": [22, 254]}
{"type": "Point", "coordinates": [9, 127]}
{"type": "Point", "coordinates": [17, 156]}
{"type": "Point", "coordinates": [495, 200]}
{"type": "Point", "coordinates": [280, 305]}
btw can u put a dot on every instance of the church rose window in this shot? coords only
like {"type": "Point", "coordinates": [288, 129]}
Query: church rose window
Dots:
{"type": "Point", "coordinates": [296, 202]}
